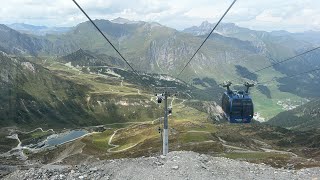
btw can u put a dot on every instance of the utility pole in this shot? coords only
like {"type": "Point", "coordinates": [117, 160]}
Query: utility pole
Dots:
{"type": "Point", "coordinates": [165, 126]}
{"type": "Point", "coordinates": [164, 93]}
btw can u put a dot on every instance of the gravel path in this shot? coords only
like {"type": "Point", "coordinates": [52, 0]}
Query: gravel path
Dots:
{"type": "Point", "coordinates": [116, 146]}
{"type": "Point", "coordinates": [177, 165]}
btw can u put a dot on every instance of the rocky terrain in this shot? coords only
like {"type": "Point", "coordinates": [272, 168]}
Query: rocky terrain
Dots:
{"type": "Point", "coordinates": [176, 165]}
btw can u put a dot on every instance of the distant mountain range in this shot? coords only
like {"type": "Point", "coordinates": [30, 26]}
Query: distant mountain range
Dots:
{"type": "Point", "coordinates": [17, 43]}
{"type": "Point", "coordinates": [38, 30]}
{"type": "Point", "coordinates": [232, 30]}
{"type": "Point", "coordinates": [231, 52]}
{"type": "Point", "coordinates": [157, 48]}
{"type": "Point", "coordinates": [277, 46]}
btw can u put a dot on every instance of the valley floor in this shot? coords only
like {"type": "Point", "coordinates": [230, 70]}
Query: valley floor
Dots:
{"type": "Point", "coordinates": [176, 165]}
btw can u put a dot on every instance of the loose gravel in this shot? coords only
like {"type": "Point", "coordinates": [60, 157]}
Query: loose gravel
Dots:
{"type": "Point", "coordinates": [176, 165]}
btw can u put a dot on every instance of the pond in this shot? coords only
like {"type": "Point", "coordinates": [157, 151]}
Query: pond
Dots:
{"type": "Point", "coordinates": [57, 139]}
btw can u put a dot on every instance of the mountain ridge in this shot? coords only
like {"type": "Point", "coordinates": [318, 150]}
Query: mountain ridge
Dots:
{"type": "Point", "coordinates": [163, 50]}
{"type": "Point", "coordinates": [38, 30]}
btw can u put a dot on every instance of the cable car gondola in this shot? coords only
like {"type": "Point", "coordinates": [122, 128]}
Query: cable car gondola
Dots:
{"type": "Point", "coordinates": [237, 105]}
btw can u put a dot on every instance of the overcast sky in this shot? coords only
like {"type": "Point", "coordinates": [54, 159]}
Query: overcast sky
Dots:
{"type": "Point", "coordinates": [290, 15]}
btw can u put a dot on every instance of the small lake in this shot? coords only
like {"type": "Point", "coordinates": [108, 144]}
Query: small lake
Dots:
{"type": "Point", "coordinates": [64, 137]}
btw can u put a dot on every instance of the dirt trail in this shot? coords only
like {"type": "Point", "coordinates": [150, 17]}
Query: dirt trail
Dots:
{"type": "Point", "coordinates": [194, 131]}
{"type": "Point", "coordinates": [18, 151]}
{"type": "Point", "coordinates": [114, 133]}
{"type": "Point", "coordinates": [39, 128]}
{"type": "Point", "coordinates": [116, 146]}
{"type": "Point", "coordinates": [278, 151]}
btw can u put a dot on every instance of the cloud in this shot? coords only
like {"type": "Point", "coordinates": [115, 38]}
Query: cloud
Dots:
{"type": "Point", "coordinates": [291, 15]}
{"type": "Point", "coordinates": [268, 16]}
{"type": "Point", "coordinates": [294, 15]}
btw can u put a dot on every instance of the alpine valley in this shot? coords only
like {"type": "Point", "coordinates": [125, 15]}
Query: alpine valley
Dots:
{"type": "Point", "coordinates": [66, 97]}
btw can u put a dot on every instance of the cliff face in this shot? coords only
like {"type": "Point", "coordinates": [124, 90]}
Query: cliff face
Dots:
{"type": "Point", "coordinates": [169, 54]}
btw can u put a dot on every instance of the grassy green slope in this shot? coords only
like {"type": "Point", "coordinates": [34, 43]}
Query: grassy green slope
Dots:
{"type": "Point", "coordinates": [66, 97]}
{"type": "Point", "coordinates": [304, 117]}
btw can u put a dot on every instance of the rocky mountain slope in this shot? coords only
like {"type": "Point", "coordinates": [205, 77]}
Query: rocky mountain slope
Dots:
{"type": "Point", "coordinates": [176, 165]}
{"type": "Point", "coordinates": [150, 46]}
{"type": "Point", "coordinates": [82, 90]}
{"type": "Point", "coordinates": [32, 95]}
{"type": "Point", "coordinates": [156, 48]}
{"type": "Point", "coordinates": [153, 48]}
{"type": "Point", "coordinates": [276, 46]}
{"type": "Point", "coordinates": [16, 43]}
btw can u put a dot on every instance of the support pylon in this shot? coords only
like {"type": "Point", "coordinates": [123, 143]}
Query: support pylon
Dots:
{"type": "Point", "coordinates": [164, 93]}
